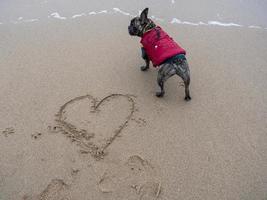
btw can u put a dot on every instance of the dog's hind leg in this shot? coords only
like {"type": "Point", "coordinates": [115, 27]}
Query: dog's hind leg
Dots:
{"type": "Point", "coordinates": [164, 73]}
{"type": "Point", "coordinates": [160, 81]}
{"type": "Point", "coordinates": [145, 57]}
{"type": "Point", "coordinates": [184, 73]}
{"type": "Point", "coordinates": [186, 85]}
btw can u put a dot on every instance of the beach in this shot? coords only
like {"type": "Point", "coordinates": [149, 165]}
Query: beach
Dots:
{"type": "Point", "coordinates": [79, 120]}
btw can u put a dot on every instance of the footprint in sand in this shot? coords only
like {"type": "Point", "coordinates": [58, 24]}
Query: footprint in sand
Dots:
{"type": "Point", "coordinates": [94, 124]}
{"type": "Point", "coordinates": [8, 131]}
{"type": "Point", "coordinates": [135, 179]}
{"type": "Point", "coordinates": [140, 121]}
{"type": "Point", "coordinates": [36, 135]}
{"type": "Point", "coordinates": [55, 190]}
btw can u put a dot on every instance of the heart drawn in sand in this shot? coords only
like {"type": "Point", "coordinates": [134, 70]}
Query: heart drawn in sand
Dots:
{"type": "Point", "coordinates": [94, 124]}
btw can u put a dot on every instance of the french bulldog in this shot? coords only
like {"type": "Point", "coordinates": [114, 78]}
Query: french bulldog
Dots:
{"type": "Point", "coordinates": [162, 50]}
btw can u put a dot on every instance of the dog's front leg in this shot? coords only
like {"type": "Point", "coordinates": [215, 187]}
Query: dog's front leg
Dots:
{"type": "Point", "coordinates": [145, 57]}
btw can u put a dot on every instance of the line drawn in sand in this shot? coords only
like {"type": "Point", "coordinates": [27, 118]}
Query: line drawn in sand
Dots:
{"type": "Point", "coordinates": [93, 124]}
{"type": "Point", "coordinates": [136, 178]}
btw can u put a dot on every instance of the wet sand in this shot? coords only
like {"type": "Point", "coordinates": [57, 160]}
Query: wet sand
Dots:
{"type": "Point", "coordinates": [130, 145]}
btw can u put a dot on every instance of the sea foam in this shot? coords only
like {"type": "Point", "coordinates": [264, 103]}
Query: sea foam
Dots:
{"type": "Point", "coordinates": [78, 15]}
{"type": "Point", "coordinates": [120, 11]}
{"type": "Point", "coordinates": [57, 16]}
{"type": "Point", "coordinates": [223, 24]}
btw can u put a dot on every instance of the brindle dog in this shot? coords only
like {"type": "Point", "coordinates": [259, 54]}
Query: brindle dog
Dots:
{"type": "Point", "coordinates": [175, 65]}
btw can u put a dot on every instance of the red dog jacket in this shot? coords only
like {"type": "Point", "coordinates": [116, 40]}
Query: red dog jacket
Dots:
{"type": "Point", "coordinates": [159, 46]}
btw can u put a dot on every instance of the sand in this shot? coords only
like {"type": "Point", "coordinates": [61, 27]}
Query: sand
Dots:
{"type": "Point", "coordinates": [79, 120]}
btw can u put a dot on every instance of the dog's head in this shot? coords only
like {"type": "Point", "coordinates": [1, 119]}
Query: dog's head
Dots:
{"type": "Point", "coordinates": [139, 25]}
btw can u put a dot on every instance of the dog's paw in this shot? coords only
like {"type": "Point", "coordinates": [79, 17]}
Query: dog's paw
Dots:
{"type": "Point", "coordinates": [144, 68]}
{"type": "Point", "coordinates": [187, 98]}
{"type": "Point", "coordinates": [160, 94]}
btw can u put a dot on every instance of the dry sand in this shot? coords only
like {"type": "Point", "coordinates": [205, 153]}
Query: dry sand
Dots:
{"type": "Point", "coordinates": [63, 137]}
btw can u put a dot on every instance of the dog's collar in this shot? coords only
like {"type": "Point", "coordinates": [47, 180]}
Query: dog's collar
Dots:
{"type": "Point", "coordinates": [148, 27]}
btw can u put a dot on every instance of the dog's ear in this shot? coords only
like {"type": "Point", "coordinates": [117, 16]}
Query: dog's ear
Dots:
{"type": "Point", "coordinates": [143, 15]}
